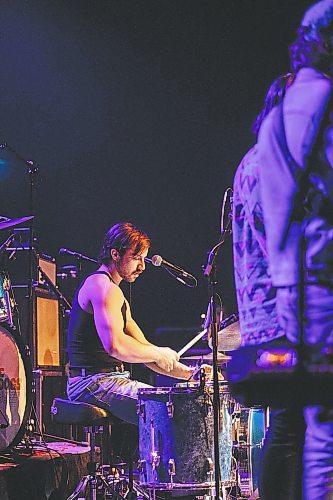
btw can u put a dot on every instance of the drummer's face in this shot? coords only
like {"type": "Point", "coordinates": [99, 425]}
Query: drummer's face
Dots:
{"type": "Point", "coordinates": [131, 264]}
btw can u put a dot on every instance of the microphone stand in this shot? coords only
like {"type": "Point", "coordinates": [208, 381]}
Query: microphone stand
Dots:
{"type": "Point", "coordinates": [210, 273]}
{"type": "Point", "coordinates": [79, 258]}
{"type": "Point", "coordinates": [55, 289]}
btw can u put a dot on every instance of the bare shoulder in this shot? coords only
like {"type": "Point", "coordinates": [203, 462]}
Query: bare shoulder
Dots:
{"type": "Point", "coordinates": [99, 289]}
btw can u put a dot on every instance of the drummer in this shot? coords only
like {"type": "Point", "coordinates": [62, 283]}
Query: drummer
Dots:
{"type": "Point", "coordinates": [102, 333]}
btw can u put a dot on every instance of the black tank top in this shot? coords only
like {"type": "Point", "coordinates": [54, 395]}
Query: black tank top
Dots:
{"type": "Point", "coordinates": [85, 349]}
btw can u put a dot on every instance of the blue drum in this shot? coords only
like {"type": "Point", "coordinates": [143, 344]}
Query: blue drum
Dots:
{"type": "Point", "coordinates": [176, 437]}
{"type": "Point", "coordinates": [249, 429]}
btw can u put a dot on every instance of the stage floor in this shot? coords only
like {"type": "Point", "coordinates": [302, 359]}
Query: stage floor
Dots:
{"type": "Point", "coordinates": [42, 473]}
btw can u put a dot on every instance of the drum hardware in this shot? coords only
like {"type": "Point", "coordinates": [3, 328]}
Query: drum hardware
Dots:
{"type": "Point", "coordinates": [170, 408]}
{"type": "Point", "coordinates": [67, 273]}
{"type": "Point", "coordinates": [142, 468]}
{"type": "Point", "coordinates": [208, 407]}
{"type": "Point", "coordinates": [154, 456]}
{"type": "Point", "coordinates": [140, 409]}
{"type": "Point", "coordinates": [210, 472]}
{"type": "Point", "coordinates": [7, 301]}
{"type": "Point", "coordinates": [171, 470]}
{"type": "Point", "coordinates": [222, 359]}
{"type": "Point", "coordinates": [6, 244]}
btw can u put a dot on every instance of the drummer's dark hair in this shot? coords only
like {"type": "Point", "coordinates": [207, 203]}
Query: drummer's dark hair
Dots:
{"type": "Point", "coordinates": [121, 237]}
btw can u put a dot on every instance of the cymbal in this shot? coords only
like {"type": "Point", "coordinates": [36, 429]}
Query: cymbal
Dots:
{"type": "Point", "coordinates": [207, 358]}
{"type": "Point", "coordinates": [14, 222]}
{"type": "Point", "coordinates": [229, 338]}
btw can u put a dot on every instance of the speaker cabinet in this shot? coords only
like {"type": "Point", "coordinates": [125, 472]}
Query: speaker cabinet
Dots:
{"type": "Point", "coordinates": [46, 331]}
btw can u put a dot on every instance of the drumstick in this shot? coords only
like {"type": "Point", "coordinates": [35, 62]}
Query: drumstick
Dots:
{"type": "Point", "coordinates": [192, 342]}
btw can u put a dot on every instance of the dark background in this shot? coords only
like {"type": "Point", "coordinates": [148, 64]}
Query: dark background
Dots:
{"type": "Point", "coordinates": [136, 110]}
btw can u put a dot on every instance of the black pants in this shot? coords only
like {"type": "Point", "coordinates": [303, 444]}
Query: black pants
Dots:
{"type": "Point", "coordinates": [281, 463]}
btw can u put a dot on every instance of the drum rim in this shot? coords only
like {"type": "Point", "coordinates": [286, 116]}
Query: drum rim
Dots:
{"type": "Point", "coordinates": [181, 388]}
{"type": "Point", "coordinates": [185, 486]}
{"type": "Point", "coordinates": [25, 356]}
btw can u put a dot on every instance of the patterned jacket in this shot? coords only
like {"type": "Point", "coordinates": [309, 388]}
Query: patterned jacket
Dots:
{"type": "Point", "coordinates": [255, 292]}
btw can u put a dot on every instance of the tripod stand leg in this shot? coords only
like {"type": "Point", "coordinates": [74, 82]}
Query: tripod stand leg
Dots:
{"type": "Point", "coordinates": [81, 489]}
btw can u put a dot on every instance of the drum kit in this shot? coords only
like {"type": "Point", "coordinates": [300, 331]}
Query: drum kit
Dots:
{"type": "Point", "coordinates": [15, 363]}
{"type": "Point", "coordinates": [175, 423]}
{"type": "Point", "coordinates": [176, 434]}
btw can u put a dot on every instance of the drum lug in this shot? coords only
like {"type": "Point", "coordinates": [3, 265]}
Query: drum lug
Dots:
{"type": "Point", "coordinates": [210, 472]}
{"type": "Point", "coordinates": [171, 469]}
{"type": "Point", "coordinates": [54, 410]}
{"type": "Point", "coordinates": [170, 408]}
{"type": "Point", "coordinates": [155, 459]}
{"type": "Point", "coordinates": [232, 407]}
{"type": "Point", "coordinates": [140, 409]}
{"type": "Point", "coordinates": [143, 470]}
{"type": "Point", "coordinates": [207, 405]}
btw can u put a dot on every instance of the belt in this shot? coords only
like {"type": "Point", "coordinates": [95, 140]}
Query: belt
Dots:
{"type": "Point", "coordinates": [84, 372]}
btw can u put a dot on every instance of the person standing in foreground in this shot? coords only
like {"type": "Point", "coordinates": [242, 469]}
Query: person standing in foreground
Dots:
{"type": "Point", "coordinates": [102, 333]}
{"type": "Point", "coordinates": [256, 297]}
{"type": "Point", "coordinates": [295, 144]}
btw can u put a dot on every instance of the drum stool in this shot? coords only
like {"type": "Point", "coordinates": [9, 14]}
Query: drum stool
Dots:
{"type": "Point", "coordinates": [93, 419]}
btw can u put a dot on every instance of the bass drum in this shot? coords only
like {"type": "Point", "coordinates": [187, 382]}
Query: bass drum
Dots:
{"type": "Point", "coordinates": [15, 389]}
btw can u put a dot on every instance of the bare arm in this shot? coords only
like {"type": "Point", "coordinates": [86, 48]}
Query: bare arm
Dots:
{"type": "Point", "coordinates": [179, 369]}
{"type": "Point", "coordinates": [107, 300]}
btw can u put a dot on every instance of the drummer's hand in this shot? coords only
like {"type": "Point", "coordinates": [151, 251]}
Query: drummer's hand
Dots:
{"type": "Point", "coordinates": [208, 373]}
{"type": "Point", "coordinates": [167, 358]}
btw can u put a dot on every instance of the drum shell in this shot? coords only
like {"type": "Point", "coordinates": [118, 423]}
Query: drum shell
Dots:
{"type": "Point", "coordinates": [15, 388]}
{"type": "Point", "coordinates": [250, 431]}
{"type": "Point", "coordinates": [178, 424]}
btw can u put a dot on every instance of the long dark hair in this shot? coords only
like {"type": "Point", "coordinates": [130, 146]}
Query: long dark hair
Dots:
{"type": "Point", "coordinates": [315, 52]}
{"type": "Point", "coordinates": [274, 96]}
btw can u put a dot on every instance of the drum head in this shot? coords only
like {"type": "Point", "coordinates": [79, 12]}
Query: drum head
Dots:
{"type": "Point", "coordinates": [15, 389]}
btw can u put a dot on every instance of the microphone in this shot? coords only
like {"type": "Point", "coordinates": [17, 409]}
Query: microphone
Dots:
{"type": "Point", "coordinates": [158, 261]}
{"type": "Point", "coordinates": [65, 251]}
{"type": "Point", "coordinates": [77, 255]}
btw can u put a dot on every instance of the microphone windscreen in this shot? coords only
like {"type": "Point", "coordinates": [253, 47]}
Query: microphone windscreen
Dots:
{"type": "Point", "coordinates": [62, 251]}
{"type": "Point", "coordinates": [156, 260]}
